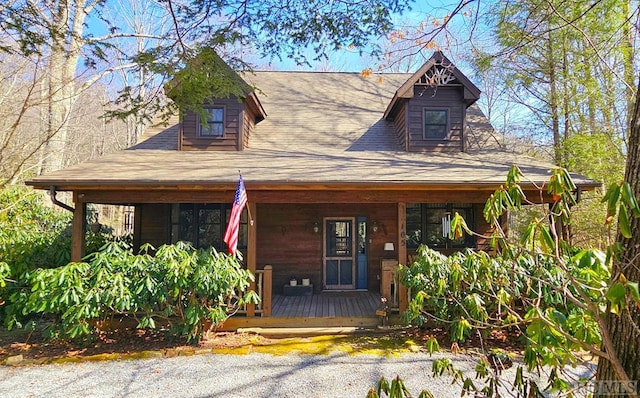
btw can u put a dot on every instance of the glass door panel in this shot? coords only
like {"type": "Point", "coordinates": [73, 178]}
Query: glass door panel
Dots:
{"type": "Point", "coordinates": [339, 253]}
{"type": "Point", "coordinates": [331, 270]}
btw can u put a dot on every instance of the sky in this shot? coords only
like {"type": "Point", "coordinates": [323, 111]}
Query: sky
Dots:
{"type": "Point", "coordinates": [454, 42]}
{"type": "Point", "coordinates": [345, 60]}
{"type": "Point", "coordinates": [352, 60]}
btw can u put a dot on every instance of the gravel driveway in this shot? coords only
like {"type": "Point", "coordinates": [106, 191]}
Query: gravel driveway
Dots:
{"type": "Point", "coordinates": [218, 375]}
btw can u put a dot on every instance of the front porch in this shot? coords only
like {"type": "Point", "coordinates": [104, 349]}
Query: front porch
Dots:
{"type": "Point", "coordinates": [327, 309]}
{"type": "Point", "coordinates": [326, 305]}
{"type": "Point", "coordinates": [355, 308]}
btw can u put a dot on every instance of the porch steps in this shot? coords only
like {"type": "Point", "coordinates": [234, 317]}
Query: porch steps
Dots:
{"type": "Point", "coordinates": [235, 323]}
{"type": "Point", "coordinates": [324, 310]}
{"type": "Point", "coordinates": [278, 333]}
{"type": "Point", "coordinates": [333, 323]}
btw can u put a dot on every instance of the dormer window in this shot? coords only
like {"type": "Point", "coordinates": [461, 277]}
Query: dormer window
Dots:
{"type": "Point", "coordinates": [436, 124]}
{"type": "Point", "coordinates": [214, 125]}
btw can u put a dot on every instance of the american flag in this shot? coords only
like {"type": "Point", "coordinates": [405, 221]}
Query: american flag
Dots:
{"type": "Point", "coordinates": [239, 201]}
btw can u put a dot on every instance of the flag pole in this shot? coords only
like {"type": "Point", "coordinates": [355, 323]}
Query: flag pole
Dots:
{"type": "Point", "coordinates": [248, 208]}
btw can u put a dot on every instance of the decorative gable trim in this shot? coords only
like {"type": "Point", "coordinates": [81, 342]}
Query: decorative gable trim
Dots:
{"type": "Point", "coordinates": [438, 75]}
{"type": "Point", "coordinates": [437, 71]}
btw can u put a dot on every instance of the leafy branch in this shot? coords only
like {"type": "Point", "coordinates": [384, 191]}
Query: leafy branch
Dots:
{"type": "Point", "coordinates": [556, 295]}
{"type": "Point", "coordinates": [184, 287]}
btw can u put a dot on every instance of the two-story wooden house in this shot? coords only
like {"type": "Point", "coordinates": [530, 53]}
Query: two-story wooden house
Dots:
{"type": "Point", "coordinates": [338, 168]}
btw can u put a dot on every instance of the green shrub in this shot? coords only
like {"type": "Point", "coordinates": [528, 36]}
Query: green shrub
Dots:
{"type": "Point", "coordinates": [473, 290]}
{"type": "Point", "coordinates": [32, 235]}
{"type": "Point", "coordinates": [4, 275]}
{"type": "Point", "coordinates": [178, 284]}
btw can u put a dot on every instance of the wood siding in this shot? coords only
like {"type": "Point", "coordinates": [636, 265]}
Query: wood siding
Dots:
{"type": "Point", "coordinates": [449, 98]}
{"type": "Point", "coordinates": [287, 242]}
{"type": "Point", "coordinates": [248, 123]}
{"type": "Point", "coordinates": [400, 125]}
{"type": "Point", "coordinates": [151, 224]}
{"type": "Point", "coordinates": [230, 141]}
{"type": "Point", "coordinates": [481, 227]}
{"type": "Point", "coordinates": [285, 237]}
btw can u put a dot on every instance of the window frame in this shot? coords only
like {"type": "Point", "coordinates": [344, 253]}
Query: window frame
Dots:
{"type": "Point", "coordinates": [177, 224]}
{"type": "Point", "coordinates": [202, 130]}
{"type": "Point", "coordinates": [469, 241]}
{"type": "Point", "coordinates": [447, 125]}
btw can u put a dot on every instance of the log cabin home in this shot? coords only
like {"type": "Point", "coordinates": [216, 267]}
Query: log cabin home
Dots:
{"type": "Point", "coordinates": [345, 175]}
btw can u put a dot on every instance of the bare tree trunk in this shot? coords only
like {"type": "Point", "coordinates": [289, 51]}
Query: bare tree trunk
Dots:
{"type": "Point", "coordinates": [591, 100]}
{"type": "Point", "coordinates": [624, 328]}
{"type": "Point", "coordinates": [67, 27]}
{"type": "Point", "coordinates": [565, 91]}
{"type": "Point", "coordinates": [553, 91]}
{"type": "Point", "coordinates": [628, 40]}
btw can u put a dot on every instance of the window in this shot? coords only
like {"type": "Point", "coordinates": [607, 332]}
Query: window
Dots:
{"type": "Point", "coordinates": [427, 223]}
{"type": "Point", "coordinates": [339, 240]}
{"type": "Point", "coordinates": [436, 124]}
{"type": "Point", "coordinates": [204, 225]}
{"type": "Point", "coordinates": [213, 126]}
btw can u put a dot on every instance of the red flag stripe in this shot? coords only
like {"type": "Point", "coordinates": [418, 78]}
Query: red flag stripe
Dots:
{"type": "Point", "coordinates": [233, 226]}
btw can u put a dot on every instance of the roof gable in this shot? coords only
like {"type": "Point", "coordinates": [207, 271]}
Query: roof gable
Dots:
{"type": "Point", "coordinates": [337, 138]}
{"type": "Point", "coordinates": [437, 71]}
{"type": "Point", "coordinates": [224, 82]}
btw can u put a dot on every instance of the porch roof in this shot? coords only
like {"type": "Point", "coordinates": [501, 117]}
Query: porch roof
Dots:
{"type": "Point", "coordinates": [323, 129]}
{"type": "Point", "coordinates": [262, 169]}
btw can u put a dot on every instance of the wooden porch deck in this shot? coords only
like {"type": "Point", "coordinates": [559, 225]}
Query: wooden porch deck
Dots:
{"type": "Point", "coordinates": [327, 309]}
{"type": "Point", "coordinates": [326, 305]}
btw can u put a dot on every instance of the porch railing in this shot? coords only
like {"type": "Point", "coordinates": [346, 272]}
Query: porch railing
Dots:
{"type": "Point", "coordinates": [391, 286]}
{"type": "Point", "coordinates": [263, 288]}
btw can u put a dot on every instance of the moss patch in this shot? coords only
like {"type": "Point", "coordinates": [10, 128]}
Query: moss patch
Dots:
{"type": "Point", "coordinates": [18, 349]}
{"type": "Point", "coordinates": [324, 345]}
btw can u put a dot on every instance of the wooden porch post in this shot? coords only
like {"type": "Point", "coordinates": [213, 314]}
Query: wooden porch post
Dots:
{"type": "Point", "coordinates": [251, 251]}
{"type": "Point", "coordinates": [78, 232]}
{"type": "Point", "coordinates": [267, 290]}
{"type": "Point", "coordinates": [402, 252]}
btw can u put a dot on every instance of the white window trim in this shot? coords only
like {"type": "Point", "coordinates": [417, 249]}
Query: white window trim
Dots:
{"type": "Point", "coordinates": [447, 128]}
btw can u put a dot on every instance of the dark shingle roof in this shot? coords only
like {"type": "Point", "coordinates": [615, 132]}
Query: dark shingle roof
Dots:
{"type": "Point", "coordinates": [161, 135]}
{"type": "Point", "coordinates": [322, 128]}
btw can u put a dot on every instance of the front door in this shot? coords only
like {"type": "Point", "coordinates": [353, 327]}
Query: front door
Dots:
{"type": "Point", "coordinates": [339, 253]}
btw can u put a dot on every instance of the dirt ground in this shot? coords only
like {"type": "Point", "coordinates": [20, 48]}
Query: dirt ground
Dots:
{"type": "Point", "coordinates": [36, 347]}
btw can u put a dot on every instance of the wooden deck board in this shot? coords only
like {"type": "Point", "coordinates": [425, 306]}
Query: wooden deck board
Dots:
{"type": "Point", "coordinates": [300, 305]}
{"type": "Point", "coordinates": [325, 307]}
{"type": "Point", "coordinates": [314, 307]}
{"type": "Point", "coordinates": [362, 310]}
{"type": "Point", "coordinates": [332, 307]}
{"type": "Point", "coordinates": [375, 301]}
{"type": "Point", "coordinates": [308, 305]}
{"type": "Point", "coordinates": [344, 306]}
{"type": "Point", "coordinates": [357, 308]}
{"type": "Point", "coordinates": [328, 309]}
{"type": "Point", "coordinates": [328, 304]}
